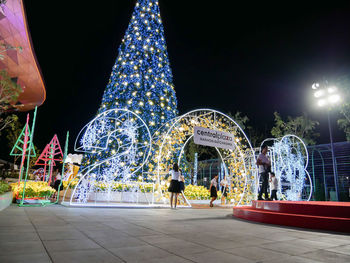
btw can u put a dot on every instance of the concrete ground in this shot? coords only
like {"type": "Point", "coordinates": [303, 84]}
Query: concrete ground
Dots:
{"type": "Point", "coordinates": [61, 234]}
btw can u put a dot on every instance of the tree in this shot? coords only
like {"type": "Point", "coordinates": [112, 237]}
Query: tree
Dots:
{"type": "Point", "coordinates": [141, 79]}
{"type": "Point", "coordinates": [300, 126]}
{"type": "Point", "coordinates": [9, 91]}
{"type": "Point", "coordinates": [12, 134]}
{"type": "Point", "coordinates": [204, 152]}
{"type": "Point", "coordinates": [344, 123]}
{"type": "Point", "coordinates": [255, 136]}
{"type": "Point", "coordinates": [239, 118]}
{"type": "Point", "coordinates": [7, 121]}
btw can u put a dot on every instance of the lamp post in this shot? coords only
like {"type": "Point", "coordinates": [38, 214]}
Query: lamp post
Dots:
{"type": "Point", "coordinates": [328, 96]}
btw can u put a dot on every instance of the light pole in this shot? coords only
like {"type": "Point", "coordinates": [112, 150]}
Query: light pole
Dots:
{"type": "Point", "coordinates": [328, 96]}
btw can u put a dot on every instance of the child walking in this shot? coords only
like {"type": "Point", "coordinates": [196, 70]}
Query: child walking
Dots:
{"type": "Point", "coordinates": [273, 186]}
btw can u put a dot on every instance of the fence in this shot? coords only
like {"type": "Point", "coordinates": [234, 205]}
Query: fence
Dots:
{"type": "Point", "coordinates": [320, 168]}
{"type": "Point", "coordinates": [207, 169]}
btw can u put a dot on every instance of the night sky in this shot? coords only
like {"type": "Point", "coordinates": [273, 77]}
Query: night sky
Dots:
{"type": "Point", "coordinates": [256, 59]}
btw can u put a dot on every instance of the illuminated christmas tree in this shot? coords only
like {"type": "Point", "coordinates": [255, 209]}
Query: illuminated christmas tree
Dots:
{"type": "Point", "coordinates": [141, 79]}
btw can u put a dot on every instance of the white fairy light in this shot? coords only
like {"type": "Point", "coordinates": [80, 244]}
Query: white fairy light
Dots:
{"type": "Point", "coordinates": [115, 131]}
{"type": "Point", "coordinates": [289, 159]}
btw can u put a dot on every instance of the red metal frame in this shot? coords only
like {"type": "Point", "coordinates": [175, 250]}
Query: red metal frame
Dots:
{"type": "Point", "coordinates": [51, 153]}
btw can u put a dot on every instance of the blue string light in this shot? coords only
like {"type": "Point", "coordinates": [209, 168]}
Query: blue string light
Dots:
{"type": "Point", "coordinates": [141, 78]}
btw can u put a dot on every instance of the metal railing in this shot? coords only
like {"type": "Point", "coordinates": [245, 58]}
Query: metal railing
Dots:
{"type": "Point", "coordinates": [321, 170]}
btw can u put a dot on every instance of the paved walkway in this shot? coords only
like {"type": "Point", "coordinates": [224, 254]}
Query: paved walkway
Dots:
{"type": "Point", "coordinates": [61, 234]}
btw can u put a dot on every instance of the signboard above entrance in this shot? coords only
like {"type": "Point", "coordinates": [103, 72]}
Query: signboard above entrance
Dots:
{"type": "Point", "coordinates": [213, 138]}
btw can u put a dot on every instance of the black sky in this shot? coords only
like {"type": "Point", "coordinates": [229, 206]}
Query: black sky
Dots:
{"type": "Point", "coordinates": [252, 58]}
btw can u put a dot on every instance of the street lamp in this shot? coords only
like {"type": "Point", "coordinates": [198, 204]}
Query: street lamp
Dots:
{"type": "Point", "coordinates": [328, 96]}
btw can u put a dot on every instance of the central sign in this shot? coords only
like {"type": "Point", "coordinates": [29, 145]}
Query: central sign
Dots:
{"type": "Point", "coordinates": [213, 138]}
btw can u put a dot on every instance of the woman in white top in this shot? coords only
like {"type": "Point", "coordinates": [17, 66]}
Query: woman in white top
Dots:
{"type": "Point", "coordinates": [213, 190]}
{"type": "Point", "coordinates": [174, 187]}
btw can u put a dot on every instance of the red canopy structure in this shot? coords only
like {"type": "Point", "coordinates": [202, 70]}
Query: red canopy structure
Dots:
{"type": "Point", "coordinates": [20, 64]}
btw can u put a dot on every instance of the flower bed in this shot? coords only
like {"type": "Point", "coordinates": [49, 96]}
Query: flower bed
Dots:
{"type": "Point", "coordinates": [34, 190]}
{"type": "Point", "coordinates": [72, 183]}
{"type": "Point", "coordinates": [192, 192]}
{"type": "Point", "coordinates": [124, 187]}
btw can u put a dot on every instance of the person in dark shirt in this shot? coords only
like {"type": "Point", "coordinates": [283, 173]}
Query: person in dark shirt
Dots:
{"type": "Point", "coordinates": [264, 165]}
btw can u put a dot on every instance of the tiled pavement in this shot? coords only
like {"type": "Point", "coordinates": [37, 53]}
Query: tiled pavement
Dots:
{"type": "Point", "coordinates": [61, 234]}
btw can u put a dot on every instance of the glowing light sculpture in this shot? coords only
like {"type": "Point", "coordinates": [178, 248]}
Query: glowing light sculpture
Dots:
{"type": "Point", "coordinates": [49, 156]}
{"type": "Point", "coordinates": [23, 148]}
{"type": "Point", "coordinates": [289, 159]}
{"type": "Point", "coordinates": [27, 151]}
{"type": "Point", "coordinates": [239, 164]}
{"type": "Point", "coordinates": [129, 137]}
{"type": "Point", "coordinates": [141, 79]}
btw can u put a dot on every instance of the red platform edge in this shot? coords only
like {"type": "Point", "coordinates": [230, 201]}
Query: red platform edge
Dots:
{"type": "Point", "coordinates": [330, 216]}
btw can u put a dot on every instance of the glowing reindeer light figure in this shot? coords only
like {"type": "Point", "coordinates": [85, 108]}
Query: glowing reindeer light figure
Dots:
{"type": "Point", "coordinates": [115, 136]}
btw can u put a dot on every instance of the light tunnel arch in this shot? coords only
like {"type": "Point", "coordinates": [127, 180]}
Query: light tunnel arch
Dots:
{"type": "Point", "coordinates": [215, 120]}
{"type": "Point", "coordinates": [217, 150]}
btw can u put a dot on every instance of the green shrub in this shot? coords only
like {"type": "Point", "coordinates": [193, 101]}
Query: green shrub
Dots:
{"type": "Point", "coordinates": [4, 187]}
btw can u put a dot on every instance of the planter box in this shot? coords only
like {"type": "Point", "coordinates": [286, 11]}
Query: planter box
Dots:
{"type": "Point", "coordinates": [124, 197]}
{"type": "Point", "coordinates": [5, 200]}
{"type": "Point", "coordinates": [32, 201]}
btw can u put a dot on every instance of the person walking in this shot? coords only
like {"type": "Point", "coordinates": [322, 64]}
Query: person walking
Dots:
{"type": "Point", "coordinates": [213, 189]}
{"type": "Point", "coordinates": [273, 186]}
{"type": "Point", "coordinates": [174, 187]}
{"type": "Point", "coordinates": [57, 184]}
{"type": "Point", "coordinates": [264, 165]}
{"type": "Point", "coordinates": [182, 185]}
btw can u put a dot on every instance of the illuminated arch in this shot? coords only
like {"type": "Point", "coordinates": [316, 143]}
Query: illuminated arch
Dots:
{"type": "Point", "coordinates": [239, 163]}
